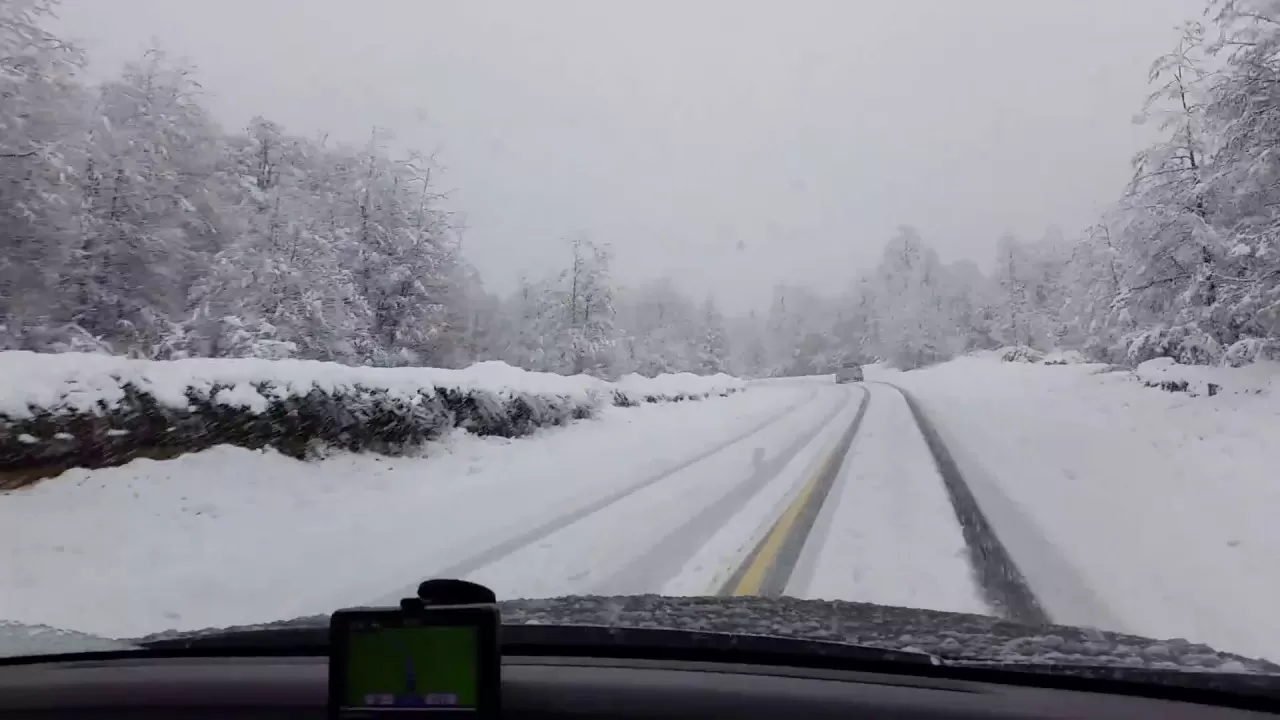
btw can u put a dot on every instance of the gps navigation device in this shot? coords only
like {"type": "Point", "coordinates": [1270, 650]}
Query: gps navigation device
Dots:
{"type": "Point", "coordinates": [436, 654]}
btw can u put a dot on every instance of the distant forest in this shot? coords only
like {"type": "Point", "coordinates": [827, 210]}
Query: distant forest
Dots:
{"type": "Point", "coordinates": [131, 223]}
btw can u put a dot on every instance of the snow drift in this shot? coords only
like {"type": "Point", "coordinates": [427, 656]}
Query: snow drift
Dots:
{"type": "Point", "coordinates": [1257, 378]}
{"type": "Point", "coordinates": [84, 410]}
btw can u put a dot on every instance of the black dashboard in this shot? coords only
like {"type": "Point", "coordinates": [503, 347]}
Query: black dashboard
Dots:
{"type": "Point", "coordinates": [545, 687]}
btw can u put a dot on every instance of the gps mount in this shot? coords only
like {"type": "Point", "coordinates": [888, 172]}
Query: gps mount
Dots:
{"type": "Point", "coordinates": [436, 654]}
{"type": "Point", "coordinates": [443, 591]}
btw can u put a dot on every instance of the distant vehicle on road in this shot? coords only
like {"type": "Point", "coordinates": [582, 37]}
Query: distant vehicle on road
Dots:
{"type": "Point", "coordinates": [849, 372]}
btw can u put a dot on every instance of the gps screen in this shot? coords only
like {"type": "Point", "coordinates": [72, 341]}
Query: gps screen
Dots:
{"type": "Point", "coordinates": [400, 664]}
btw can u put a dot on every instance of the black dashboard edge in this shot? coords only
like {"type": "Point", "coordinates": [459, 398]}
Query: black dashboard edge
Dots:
{"type": "Point", "coordinates": [1244, 692]}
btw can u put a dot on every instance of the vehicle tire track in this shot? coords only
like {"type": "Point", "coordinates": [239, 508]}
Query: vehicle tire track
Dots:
{"type": "Point", "coordinates": [665, 560]}
{"type": "Point", "coordinates": [511, 545]}
{"type": "Point", "coordinates": [1002, 583]}
{"type": "Point", "coordinates": [780, 556]}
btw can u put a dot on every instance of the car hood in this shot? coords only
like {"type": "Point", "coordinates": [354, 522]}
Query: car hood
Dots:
{"type": "Point", "coordinates": [950, 636]}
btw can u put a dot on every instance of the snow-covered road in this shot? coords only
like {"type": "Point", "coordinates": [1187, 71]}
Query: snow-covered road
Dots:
{"type": "Point", "coordinates": [668, 498]}
{"type": "Point", "coordinates": [231, 536]}
{"type": "Point", "coordinates": [888, 533]}
{"type": "Point", "coordinates": [803, 486]}
{"type": "Point", "coordinates": [626, 541]}
{"type": "Point", "coordinates": [1127, 507]}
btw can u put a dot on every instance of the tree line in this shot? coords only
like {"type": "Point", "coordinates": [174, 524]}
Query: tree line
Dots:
{"type": "Point", "coordinates": [1185, 264]}
{"type": "Point", "coordinates": [132, 223]}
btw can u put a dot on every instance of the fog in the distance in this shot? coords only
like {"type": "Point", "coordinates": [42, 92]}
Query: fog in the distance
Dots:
{"type": "Point", "coordinates": [728, 144]}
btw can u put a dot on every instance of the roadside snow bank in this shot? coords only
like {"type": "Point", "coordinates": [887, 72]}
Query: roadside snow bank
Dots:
{"type": "Point", "coordinates": [1025, 354]}
{"type": "Point", "coordinates": [1255, 378]}
{"type": "Point", "coordinates": [1127, 508]}
{"type": "Point", "coordinates": [31, 383]}
{"type": "Point", "coordinates": [76, 409]}
{"type": "Point", "coordinates": [230, 536]}
{"type": "Point", "coordinates": [1020, 354]}
{"type": "Point", "coordinates": [675, 386]}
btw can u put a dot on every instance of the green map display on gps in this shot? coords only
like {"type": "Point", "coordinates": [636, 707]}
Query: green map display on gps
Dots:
{"type": "Point", "coordinates": [412, 665]}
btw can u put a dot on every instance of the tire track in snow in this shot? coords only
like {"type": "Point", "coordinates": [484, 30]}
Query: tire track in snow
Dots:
{"type": "Point", "coordinates": [887, 533]}
{"type": "Point", "coordinates": [1060, 588]}
{"type": "Point", "coordinates": [665, 560]}
{"type": "Point", "coordinates": [511, 545]}
{"type": "Point", "coordinates": [768, 567]}
{"type": "Point", "coordinates": [1003, 584]}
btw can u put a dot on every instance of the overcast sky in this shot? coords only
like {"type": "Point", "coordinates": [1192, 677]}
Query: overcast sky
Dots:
{"type": "Point", "coordinates": [804, 130]}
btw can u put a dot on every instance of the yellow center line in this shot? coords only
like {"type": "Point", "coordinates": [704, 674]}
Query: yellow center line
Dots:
{"type": "Point", "coordinates": [753, 578]}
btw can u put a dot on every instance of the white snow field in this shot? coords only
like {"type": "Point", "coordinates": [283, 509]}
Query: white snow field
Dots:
{"type": "Point", "coordinates": [1127, 507]}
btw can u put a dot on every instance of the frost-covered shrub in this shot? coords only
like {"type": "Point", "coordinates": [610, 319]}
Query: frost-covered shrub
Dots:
{"type": "Point", "coordinates": [1105, 351]}
{"type": "Point", "coordinates": [68, 337]}
{"type": "Point", "coordinates": [1251, 350]}
{"type": "Point", "coordinates": [1168, 375]}
{"type": "Point", "coordinates": [68, 410]}
{"type": "Point", "coordinates": [915, 357]}
{"type": "Point", "coordinates": [1065, 357]}
{"type": "Point", "coordinates": [1185, 344]}
{"type": "Point", "coordinates": [1021, 354]}
{"type": "Point", "coordinates": [355, 419]}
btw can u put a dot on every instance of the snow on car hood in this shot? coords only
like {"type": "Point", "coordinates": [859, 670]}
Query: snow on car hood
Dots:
{"type": "Point", "coordinates": [951, 636]}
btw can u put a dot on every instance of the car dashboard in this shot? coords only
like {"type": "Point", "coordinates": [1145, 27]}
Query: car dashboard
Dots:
{"type": "Point", "coordinates": [548, 687]}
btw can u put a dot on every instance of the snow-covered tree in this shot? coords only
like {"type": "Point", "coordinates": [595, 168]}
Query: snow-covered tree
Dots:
{"type": "Point", "coordinates": [713, 350]}
{"type": "Point", "coordinates": [658, 329]}
{"type": "Point", "coordinates": [908, 290]}
{"type": "Point", "coordinates": [130, 222]}
{"type": "Point", "coordinates": [565, 323]}
{"type": "Point", "coordinates": [42, 116]}
{"type": "Point", "coordinates": [148, 219]}
{"type": "Point", "coordinates": [1195, 236]}
{"type": "Point", "coordinates": [532, 316]}
{"type": "Point", "coordinates": [747, 345]}
{"type": "Point", "coordinates": [589, 333]}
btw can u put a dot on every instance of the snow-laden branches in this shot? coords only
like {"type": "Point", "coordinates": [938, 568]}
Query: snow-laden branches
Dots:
{"type": "Point", "coordinates": [132, 223]}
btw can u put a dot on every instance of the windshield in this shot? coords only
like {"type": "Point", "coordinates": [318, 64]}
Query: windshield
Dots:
{"type": "Point", "coordinates": [304, 302]}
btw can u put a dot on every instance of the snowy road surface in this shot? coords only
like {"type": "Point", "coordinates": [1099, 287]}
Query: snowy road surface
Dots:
{"type": "Point", "coordinates": [667, 498]}
{"type": "Point", "coordinates": [802, 487]}
{"type": "Point", "coordinates": [888, 533]}
{"type": "Point", "coordinates": [1128, 507]}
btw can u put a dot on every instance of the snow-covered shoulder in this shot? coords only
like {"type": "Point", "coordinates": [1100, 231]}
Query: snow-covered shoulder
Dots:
{"type": "Point", "coordinates": [85, 382]}
{"type": "Point", "coordinates": [59, 411]}
{"type": "Point", "coordinates": [678, 385]}
{"type": "Point", "coordinates": [229, 535]}
{"type": "Point", "coordinates": [1157, 505]}
{"type": "Point", "coordinates": [1260, 377]}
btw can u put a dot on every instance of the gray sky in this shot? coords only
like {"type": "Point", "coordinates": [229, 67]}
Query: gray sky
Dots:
{"type": "Point", "coordinates": [673, 129]}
